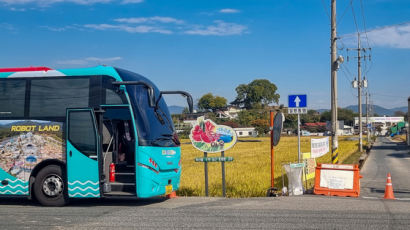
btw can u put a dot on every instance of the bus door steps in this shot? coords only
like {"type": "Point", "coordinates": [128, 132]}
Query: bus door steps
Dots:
{"type": "Point", "coordinates": [119, 193]}
{"type": "Point", "coordinates": [122, 187]}
{"type": "Point", "coordinates": [125, 177]}
{"type": "Point", "coordinates": [124, 168]}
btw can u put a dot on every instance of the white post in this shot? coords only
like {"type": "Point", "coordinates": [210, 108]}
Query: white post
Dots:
{"type": "Point", "coordinates": [298, 137]}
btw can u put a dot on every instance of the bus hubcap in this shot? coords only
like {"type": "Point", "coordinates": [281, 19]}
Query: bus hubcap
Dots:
{"type": "Point", "coordinates": [53, 186]}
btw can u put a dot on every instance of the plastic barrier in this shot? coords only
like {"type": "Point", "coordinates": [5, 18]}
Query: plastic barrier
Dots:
{"type": "Point", "coordinates": [337, 180]}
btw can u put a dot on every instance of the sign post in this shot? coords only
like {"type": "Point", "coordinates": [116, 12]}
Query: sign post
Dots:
{"type": "Point", "coordinates": [206, 174]}
{"type": "Point", "coordinates": [297, 104]}
{"type": "Point", "coordinates": [276, 129]}
{"type": "Point", "coordinates": [209, 137]}
{"type": "Point", "coordinates": [223, 175]}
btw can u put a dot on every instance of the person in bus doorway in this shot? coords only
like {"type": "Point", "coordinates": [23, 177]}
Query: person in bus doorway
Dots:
{"type": "Point", "coordinates": [125, 145]}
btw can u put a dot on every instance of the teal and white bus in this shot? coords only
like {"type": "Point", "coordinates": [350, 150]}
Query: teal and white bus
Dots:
{"type": "Point", "coordinates": [85, 133]}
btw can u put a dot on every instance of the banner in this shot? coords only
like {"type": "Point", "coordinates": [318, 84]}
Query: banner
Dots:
{"type": "Point", "coordinates": [319, 147]}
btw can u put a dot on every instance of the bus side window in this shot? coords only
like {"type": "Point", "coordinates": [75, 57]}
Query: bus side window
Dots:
{"type": "Point", "coordinates": [81, 132]}
{"type": "Point", "coordinates": [12, 97]}
{"type": "Point", "coordinates": [112, 98]}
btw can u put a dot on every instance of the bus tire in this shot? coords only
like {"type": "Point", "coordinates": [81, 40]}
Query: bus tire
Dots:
{"type": "Point", "coordinates": [49, 187]}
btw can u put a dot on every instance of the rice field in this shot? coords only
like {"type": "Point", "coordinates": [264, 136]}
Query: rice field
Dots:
{"type": "Point", "coordinates": [249, 174]}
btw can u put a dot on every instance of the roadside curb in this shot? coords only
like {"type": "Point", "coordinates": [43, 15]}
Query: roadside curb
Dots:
{"type": "Point", "coordinates": [365, 155]}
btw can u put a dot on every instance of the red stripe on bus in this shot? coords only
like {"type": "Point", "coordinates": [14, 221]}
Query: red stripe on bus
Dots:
{"type": "Point", "coordinates": [24, 69]}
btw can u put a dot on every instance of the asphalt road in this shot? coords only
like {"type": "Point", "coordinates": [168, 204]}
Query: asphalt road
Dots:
{"type": "Point", "coordinates": [301, 212]}
{"type": "Point", "coordinates": [386, 156]}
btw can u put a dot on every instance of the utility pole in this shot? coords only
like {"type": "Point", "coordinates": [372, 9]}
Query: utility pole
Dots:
{"type": "Point", "coordinates": [360, 84]}
{"type": "Point", "coordinates": [333, 75]}
{"type": "Point", "coordinates": [367, 117]}
{"type": "Point", "coordinates": [359, 78]}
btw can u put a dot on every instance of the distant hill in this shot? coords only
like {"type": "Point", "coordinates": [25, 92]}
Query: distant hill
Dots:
{"type": "Point", "coordinates": [174, 109]}
{"type": "Point", "coordinates": [377, 109]}
{"type": "Point", "coordinates": [381, 111]}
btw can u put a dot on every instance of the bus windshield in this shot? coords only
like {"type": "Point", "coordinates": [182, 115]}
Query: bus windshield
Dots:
{"type": "Point", "coordinates": [154, 125]}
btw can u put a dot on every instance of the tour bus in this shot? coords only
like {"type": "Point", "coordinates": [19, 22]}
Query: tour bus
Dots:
{"type": "Point", "coordinates": [85, 133]}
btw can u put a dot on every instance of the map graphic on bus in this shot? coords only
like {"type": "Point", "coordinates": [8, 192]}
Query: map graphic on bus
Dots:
{"type": "Point", "coordinates": [25, 143]}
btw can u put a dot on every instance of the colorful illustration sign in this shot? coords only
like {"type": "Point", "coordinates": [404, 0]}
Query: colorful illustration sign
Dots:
{"type": "Point", "coordinates": [319, 147]}
{"type": "Point", "coordinates": [25, 143]}
{"type": "Point", "coordinates": [207, 136]}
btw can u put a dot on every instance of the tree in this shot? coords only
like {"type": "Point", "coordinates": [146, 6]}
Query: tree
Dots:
{"type": "Point", "coordinates": [185, 110]}
{"type": "Point", "coordinates": [231, 124]}
{"type": "Point", "coordinates": [311, 117]}
{"type": "Point", "coordinates": [245, 117]}
{"type": "Point", "coordinates": [257, 94]}
{"type": "Point", "coordinates": [399, 114]}
{"type": "Point", "coordinates": [345, 115]}
{"type": "Point", "coordinates": [261, 125]}
{"type": "Point", "coordinates": [211, 102]}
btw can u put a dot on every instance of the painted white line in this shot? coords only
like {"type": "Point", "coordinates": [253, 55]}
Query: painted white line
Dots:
{"type": "Point", "coordinates": [381, 198]}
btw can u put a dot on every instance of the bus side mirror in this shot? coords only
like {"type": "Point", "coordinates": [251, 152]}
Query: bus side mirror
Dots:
{"type": "Point", "coordinates": [183, 93]}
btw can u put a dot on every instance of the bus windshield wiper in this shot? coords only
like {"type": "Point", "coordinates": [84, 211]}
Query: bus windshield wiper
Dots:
{"type": "Point", "coordinates": [159, 117]}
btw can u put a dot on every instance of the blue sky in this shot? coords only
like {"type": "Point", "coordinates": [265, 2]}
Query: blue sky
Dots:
{"type": "Point", "coordinates": [213, 46]}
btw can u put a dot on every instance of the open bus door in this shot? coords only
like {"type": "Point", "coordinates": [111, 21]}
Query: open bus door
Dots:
{"type": "Point", "coordinates": [82, 153]}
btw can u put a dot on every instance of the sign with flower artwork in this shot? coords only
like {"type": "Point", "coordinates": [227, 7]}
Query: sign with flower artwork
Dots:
{"type": "Point", "coordinates": [207, 136]}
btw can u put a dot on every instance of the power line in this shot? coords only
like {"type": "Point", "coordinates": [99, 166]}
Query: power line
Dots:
{"type": "Point", "coordinates": [325, 9]}
{"type": "Point", "coordinates": [354, 17]}
{"type": "Point", "coordinates": [364, 22]}
{"type": "Point", "coordinates": [344, 13]}
{"type": "Point", "coordinates": [348, 81]}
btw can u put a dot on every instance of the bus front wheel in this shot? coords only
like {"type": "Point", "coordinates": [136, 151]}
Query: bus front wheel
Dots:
{"type": "Point", "coordinates": [49, 187]}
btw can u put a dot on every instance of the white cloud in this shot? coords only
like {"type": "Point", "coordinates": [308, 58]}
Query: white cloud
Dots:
{"type": "Point", "coordinates": [155, 19]}
{"type": "Point", "coordinates": [161, 25]}
{"type": "Point", "coordinates": [89, 60]}
{"type": "Point", "coordinates": [129, 29]}
{"type": "Point", "coordinates": [229, 11]}
{"type": "Point", "coordinates": [220, 28]}
{"type": "Point", "coordinates": [131, 1]}
{"type": "Point", "coordinates": [6, 26]}
{"type": "Point", "coordinates": [393, 36]}
{"type": "Point", "coordinates": [64, 28]}
{"type": "Point", "coordinates": [80, 2]}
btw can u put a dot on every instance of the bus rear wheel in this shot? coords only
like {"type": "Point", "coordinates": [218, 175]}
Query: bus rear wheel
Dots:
{"type": "Point", "coordinates": [49, 187]}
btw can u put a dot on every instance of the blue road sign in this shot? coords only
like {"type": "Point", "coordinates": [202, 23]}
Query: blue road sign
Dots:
{"type": "Point", "coordinates": [297, 101]}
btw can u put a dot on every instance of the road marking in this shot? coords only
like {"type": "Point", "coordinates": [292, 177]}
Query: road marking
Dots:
{"type": "Point", "coordinates": [369, 197]}
{"type": "Point", "coordinates": [380, 198]}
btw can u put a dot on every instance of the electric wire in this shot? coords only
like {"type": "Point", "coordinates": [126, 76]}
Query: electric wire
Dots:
{"type": "Point", "coordinates": [344, 13]}
{"type": "Point", "coordinates": [364, 23]}
{"type": "Point", "coordinates": [354, 18]}
{"type": "Point", "coordinates": [325, 9]}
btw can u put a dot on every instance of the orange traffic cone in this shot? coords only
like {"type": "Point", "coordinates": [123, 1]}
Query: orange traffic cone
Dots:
{"type": "Point", "coordinates": [172, 195]}
{"type": "Point", "coordinates": [388, 193]}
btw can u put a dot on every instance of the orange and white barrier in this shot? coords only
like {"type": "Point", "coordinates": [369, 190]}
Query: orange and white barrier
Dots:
{"type": "Point", "coordinates": [337, 180]}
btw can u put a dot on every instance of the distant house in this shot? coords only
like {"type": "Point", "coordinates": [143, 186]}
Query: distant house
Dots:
{"type": "Point", "coordinates": [246, 132]}
{"type": "Point", "coordinates": [348, 130]}
{"type": "Point", "coordinates": [230, 112]}
{"type": "Point", "coordinates": [315, 127]}
{"type": "Point", "coordinates": [340, 125]}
